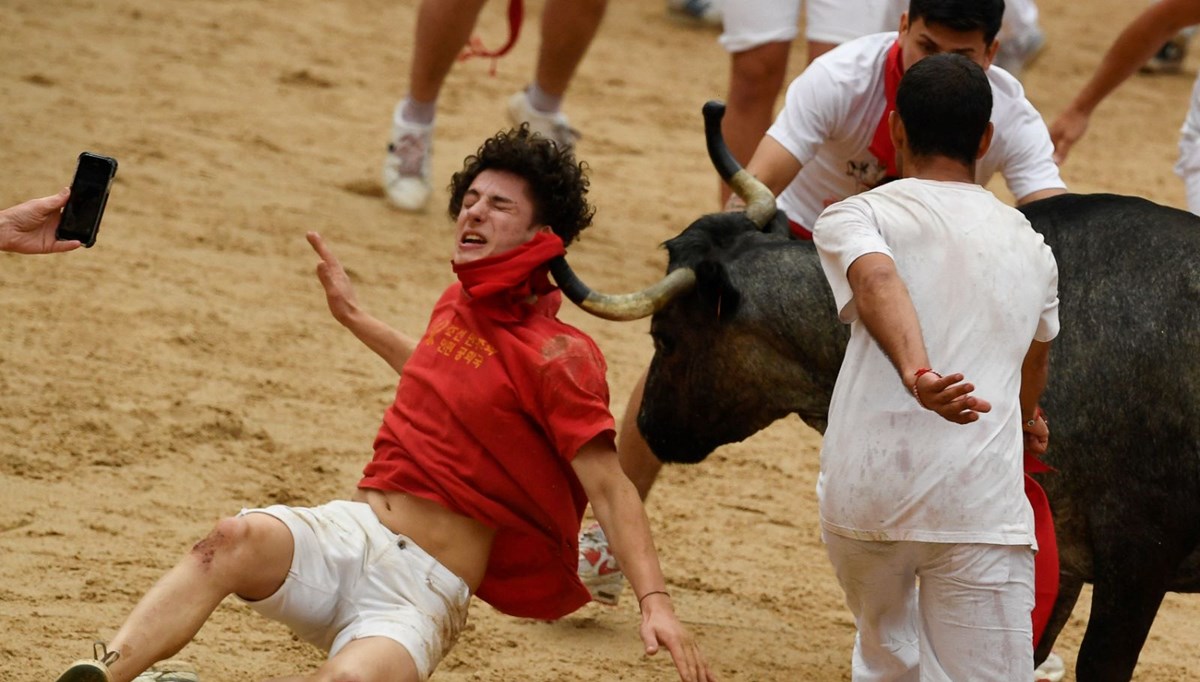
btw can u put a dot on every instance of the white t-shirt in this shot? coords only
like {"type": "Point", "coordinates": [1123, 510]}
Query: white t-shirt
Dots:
{"type": "Point", "coordinates": [984, 286]}
{"type": "Point", "coordinates": [833, 108]}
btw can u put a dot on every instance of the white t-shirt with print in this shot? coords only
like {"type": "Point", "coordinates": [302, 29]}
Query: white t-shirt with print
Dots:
{"type": "Point", "coordinates": [833, 108]}
{"type": "Point", "coordinates": [984, 286]}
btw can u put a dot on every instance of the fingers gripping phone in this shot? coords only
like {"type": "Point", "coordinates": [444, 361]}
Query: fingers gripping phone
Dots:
{"type": "Point", "coordinates": [89, 192]}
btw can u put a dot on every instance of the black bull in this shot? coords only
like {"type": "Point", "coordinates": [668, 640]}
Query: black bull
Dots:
{"type": "Point", "coordinates": [757, 339]}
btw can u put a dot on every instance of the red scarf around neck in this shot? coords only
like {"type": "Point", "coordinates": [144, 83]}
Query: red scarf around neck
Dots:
{"type": "Point", "coordinates": [511, 278]}
{"type": "Point", "coordinates": [881, 145]}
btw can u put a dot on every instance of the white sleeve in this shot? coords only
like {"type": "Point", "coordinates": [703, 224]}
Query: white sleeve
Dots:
{"type": "Point", "coordinates": [814, 106]}
{"type": "Point", "coordinates": [1048, 326]}
{"type": "Point", "coordinates": [1028, 154]}
{"type": "Point", "coordinates": [845, 232]}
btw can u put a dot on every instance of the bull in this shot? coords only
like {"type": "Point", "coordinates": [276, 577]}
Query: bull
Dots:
{"type": "Point", "coordinates": [745, 332]}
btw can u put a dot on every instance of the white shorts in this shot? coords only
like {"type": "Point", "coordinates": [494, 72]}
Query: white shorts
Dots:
{"type": "Point", "coordinates": [753, 23]}
{"type": "Point", "coordinates": [970, 620]}
{"type": "Point", "coordinates": [837, 21]}
{"type": "Point", "coordinates": [352, 578]}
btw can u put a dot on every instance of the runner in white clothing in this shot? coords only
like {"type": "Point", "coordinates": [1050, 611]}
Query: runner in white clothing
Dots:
{"type": "Point", "coordinates": [934, 271]}
{"type": "Point", "coordinates": [830, 140]}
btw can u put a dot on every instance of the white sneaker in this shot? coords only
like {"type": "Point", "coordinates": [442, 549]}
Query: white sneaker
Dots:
{"type": "Point", "coordinates": [703, 11]}
{"type": "Point", "coordinates": [1017, 53]}
{"type": "Point", "coordinates": [1051, 670]}
{"type": "Point", "coordinates": [598, 568]}
{"type": "Point", "coordinates": [406, 169]}
{"type": "Point", "coordinates": [550, 126]}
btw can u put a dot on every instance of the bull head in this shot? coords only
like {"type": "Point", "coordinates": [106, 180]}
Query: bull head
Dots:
{"type": "Point", "coordinates": [760, 209]}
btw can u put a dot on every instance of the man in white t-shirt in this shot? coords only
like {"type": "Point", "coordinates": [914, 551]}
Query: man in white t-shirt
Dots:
{"type": "Point", "coordinates": [758, 35]}
{"type": "Point", "coordinates": [830, 141]}
{"type": "Point", "coordinates": [932, 271]}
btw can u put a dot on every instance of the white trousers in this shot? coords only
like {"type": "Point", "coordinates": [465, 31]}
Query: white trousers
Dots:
{"type": "Point", "coordinates": [970, 619]}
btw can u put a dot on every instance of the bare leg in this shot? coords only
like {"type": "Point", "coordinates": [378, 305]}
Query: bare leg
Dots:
{"type": "Point", "coordinates": [637, 460]}
{"type": "Point", "coordinates": [817, 48]}
{"type": "Point", "coordinates": [568, 27]}
{"type": "Point", "coordinates": [755, 79]}
{"type": "Point", "coordinates": [372, 659]}
{"type": "Point", "coordinates": [249, 556]}
{"type": "Point", "coordinates": [443, 28]}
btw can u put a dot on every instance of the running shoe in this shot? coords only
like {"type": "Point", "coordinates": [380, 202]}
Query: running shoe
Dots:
{"type": "Point", "coordinates": [552, 126]}
{"type": "Point", "coordinates": [406, 168]}
{"type": "Point", "coordinates": [598, 568]}
{"type": "Point", "coordinates": [1051, 670]}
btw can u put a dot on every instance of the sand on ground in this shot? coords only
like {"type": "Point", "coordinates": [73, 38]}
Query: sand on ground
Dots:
{"type": "Point", "coordinates": [187, 367]}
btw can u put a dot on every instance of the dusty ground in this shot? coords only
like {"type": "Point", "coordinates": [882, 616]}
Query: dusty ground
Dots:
{"type": "Point", "coordinates": [186, 367]}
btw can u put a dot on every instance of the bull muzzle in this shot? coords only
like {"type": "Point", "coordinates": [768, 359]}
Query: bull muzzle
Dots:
{"type": "Point", "coordinates": [760, 208]}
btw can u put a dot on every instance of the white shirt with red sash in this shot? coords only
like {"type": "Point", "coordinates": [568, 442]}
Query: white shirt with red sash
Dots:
{"type": "Point", "coordinates": [835, 107]}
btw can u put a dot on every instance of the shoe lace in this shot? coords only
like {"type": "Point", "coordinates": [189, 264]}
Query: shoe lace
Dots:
{"type": "Point", "coordinates": [101, 653]}
{"type": "Point", "coordinates": [410, 150]}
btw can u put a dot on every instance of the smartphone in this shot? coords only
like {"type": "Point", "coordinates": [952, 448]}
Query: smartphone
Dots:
{"type": "Point", "coordinates": [89, 193]}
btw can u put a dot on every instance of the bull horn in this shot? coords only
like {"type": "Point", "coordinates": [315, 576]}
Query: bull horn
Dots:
{"type": "Point", "coordinates": [621, 307]}
{"type": "Point", "coordinates": [760, 202]}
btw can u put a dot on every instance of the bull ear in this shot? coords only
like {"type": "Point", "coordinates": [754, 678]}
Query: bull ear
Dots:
{"type": "Point", "coordinates": [716, 291]}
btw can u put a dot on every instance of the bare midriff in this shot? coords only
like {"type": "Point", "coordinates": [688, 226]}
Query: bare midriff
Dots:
{"type": "Point", "coordinates": [459, 543]}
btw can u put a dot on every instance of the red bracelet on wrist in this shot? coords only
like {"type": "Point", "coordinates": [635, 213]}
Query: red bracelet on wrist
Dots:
{"type": "Point", "coordinates": [1036, 414]}
{"type": "Point", "coordinates": [916, 376]}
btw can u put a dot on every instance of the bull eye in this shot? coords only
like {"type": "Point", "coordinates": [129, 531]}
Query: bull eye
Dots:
{"type": "Point", "coordinates": [662, 343]}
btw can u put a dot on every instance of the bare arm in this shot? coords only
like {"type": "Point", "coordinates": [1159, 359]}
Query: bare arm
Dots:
{"type": "Point", "coordinates": [391, 345]}
{"type": "Point", "coordinates": [619, 510]}
{"type": "Point", "coordinates": [887, 311]}
{"type": "Point", "coordinates": [1040, 194]}
{"type": "Point", "coordinates": [29, 227]}
{"type": "Point", "coordinates": [1034, 372]}
{"type": "Point", "coordinates": [1136, 44]}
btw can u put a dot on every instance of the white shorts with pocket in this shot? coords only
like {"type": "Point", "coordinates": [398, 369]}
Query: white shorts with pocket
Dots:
{"type": "Point", "coordinates": [353, 578]}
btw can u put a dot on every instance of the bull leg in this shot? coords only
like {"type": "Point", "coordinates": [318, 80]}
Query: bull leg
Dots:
{"type": "Point", "coordinates": [1126, 596]}
{"type": "Point", "coordinates": [1068, 593]}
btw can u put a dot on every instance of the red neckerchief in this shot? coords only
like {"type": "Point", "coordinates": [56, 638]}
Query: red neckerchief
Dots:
{"type": "Point", "coordinates": [475, 48]}
{"type": "Point", "coordinates": [509, 280]}
{"type": "Point", "coordinates": [881, 145]}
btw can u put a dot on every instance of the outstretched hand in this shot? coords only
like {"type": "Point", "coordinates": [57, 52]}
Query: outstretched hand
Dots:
{"type": "Point", "coordinates": [339, 292]}
{"type": "Point", "coordinates": [660, 626]}
{"type": "Point", "coordinates": [29, 227]}
{"type": "Point", "coordinates": [1066, 130]}
{"type": "Point", "coordinates": [950, 397]}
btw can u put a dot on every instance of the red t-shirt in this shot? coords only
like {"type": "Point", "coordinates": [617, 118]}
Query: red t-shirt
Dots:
{"type": "Point", "coordinates": [488, 415]}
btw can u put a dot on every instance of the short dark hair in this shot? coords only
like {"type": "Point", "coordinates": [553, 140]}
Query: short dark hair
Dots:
{"type": "Point", "coordinates": [558, 183]}
{"type": "Point", "coordinates": [945, 103]}
{"type": "Point", "coordinates": [960, 15]}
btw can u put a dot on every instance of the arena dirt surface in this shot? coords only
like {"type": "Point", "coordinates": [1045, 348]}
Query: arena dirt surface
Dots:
{"type": "Point", "coordinates": [187, 367]}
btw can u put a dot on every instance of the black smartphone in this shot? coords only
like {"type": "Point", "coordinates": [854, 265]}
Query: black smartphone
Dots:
{"type": "Point", "coordinates": [89, 193]}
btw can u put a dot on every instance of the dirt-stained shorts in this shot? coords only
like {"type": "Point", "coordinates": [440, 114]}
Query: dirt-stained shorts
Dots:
{"type": "Point", "coordinates": [352, 578]}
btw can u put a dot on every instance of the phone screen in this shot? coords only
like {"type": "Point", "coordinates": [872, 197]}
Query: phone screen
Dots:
{"type": "Point", "coordinates": [89, 193]}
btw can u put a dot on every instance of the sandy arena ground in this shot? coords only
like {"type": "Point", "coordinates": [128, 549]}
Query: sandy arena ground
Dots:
{"type": "Point", "coordinates": [187, 367]}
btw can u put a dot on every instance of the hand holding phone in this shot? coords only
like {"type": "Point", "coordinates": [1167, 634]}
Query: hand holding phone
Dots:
{"type": "Point", "coordinates": [89, 193]}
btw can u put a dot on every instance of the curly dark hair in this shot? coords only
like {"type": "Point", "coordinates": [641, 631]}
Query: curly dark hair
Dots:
{"type": "Point", "coordinates": [558, 183]}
